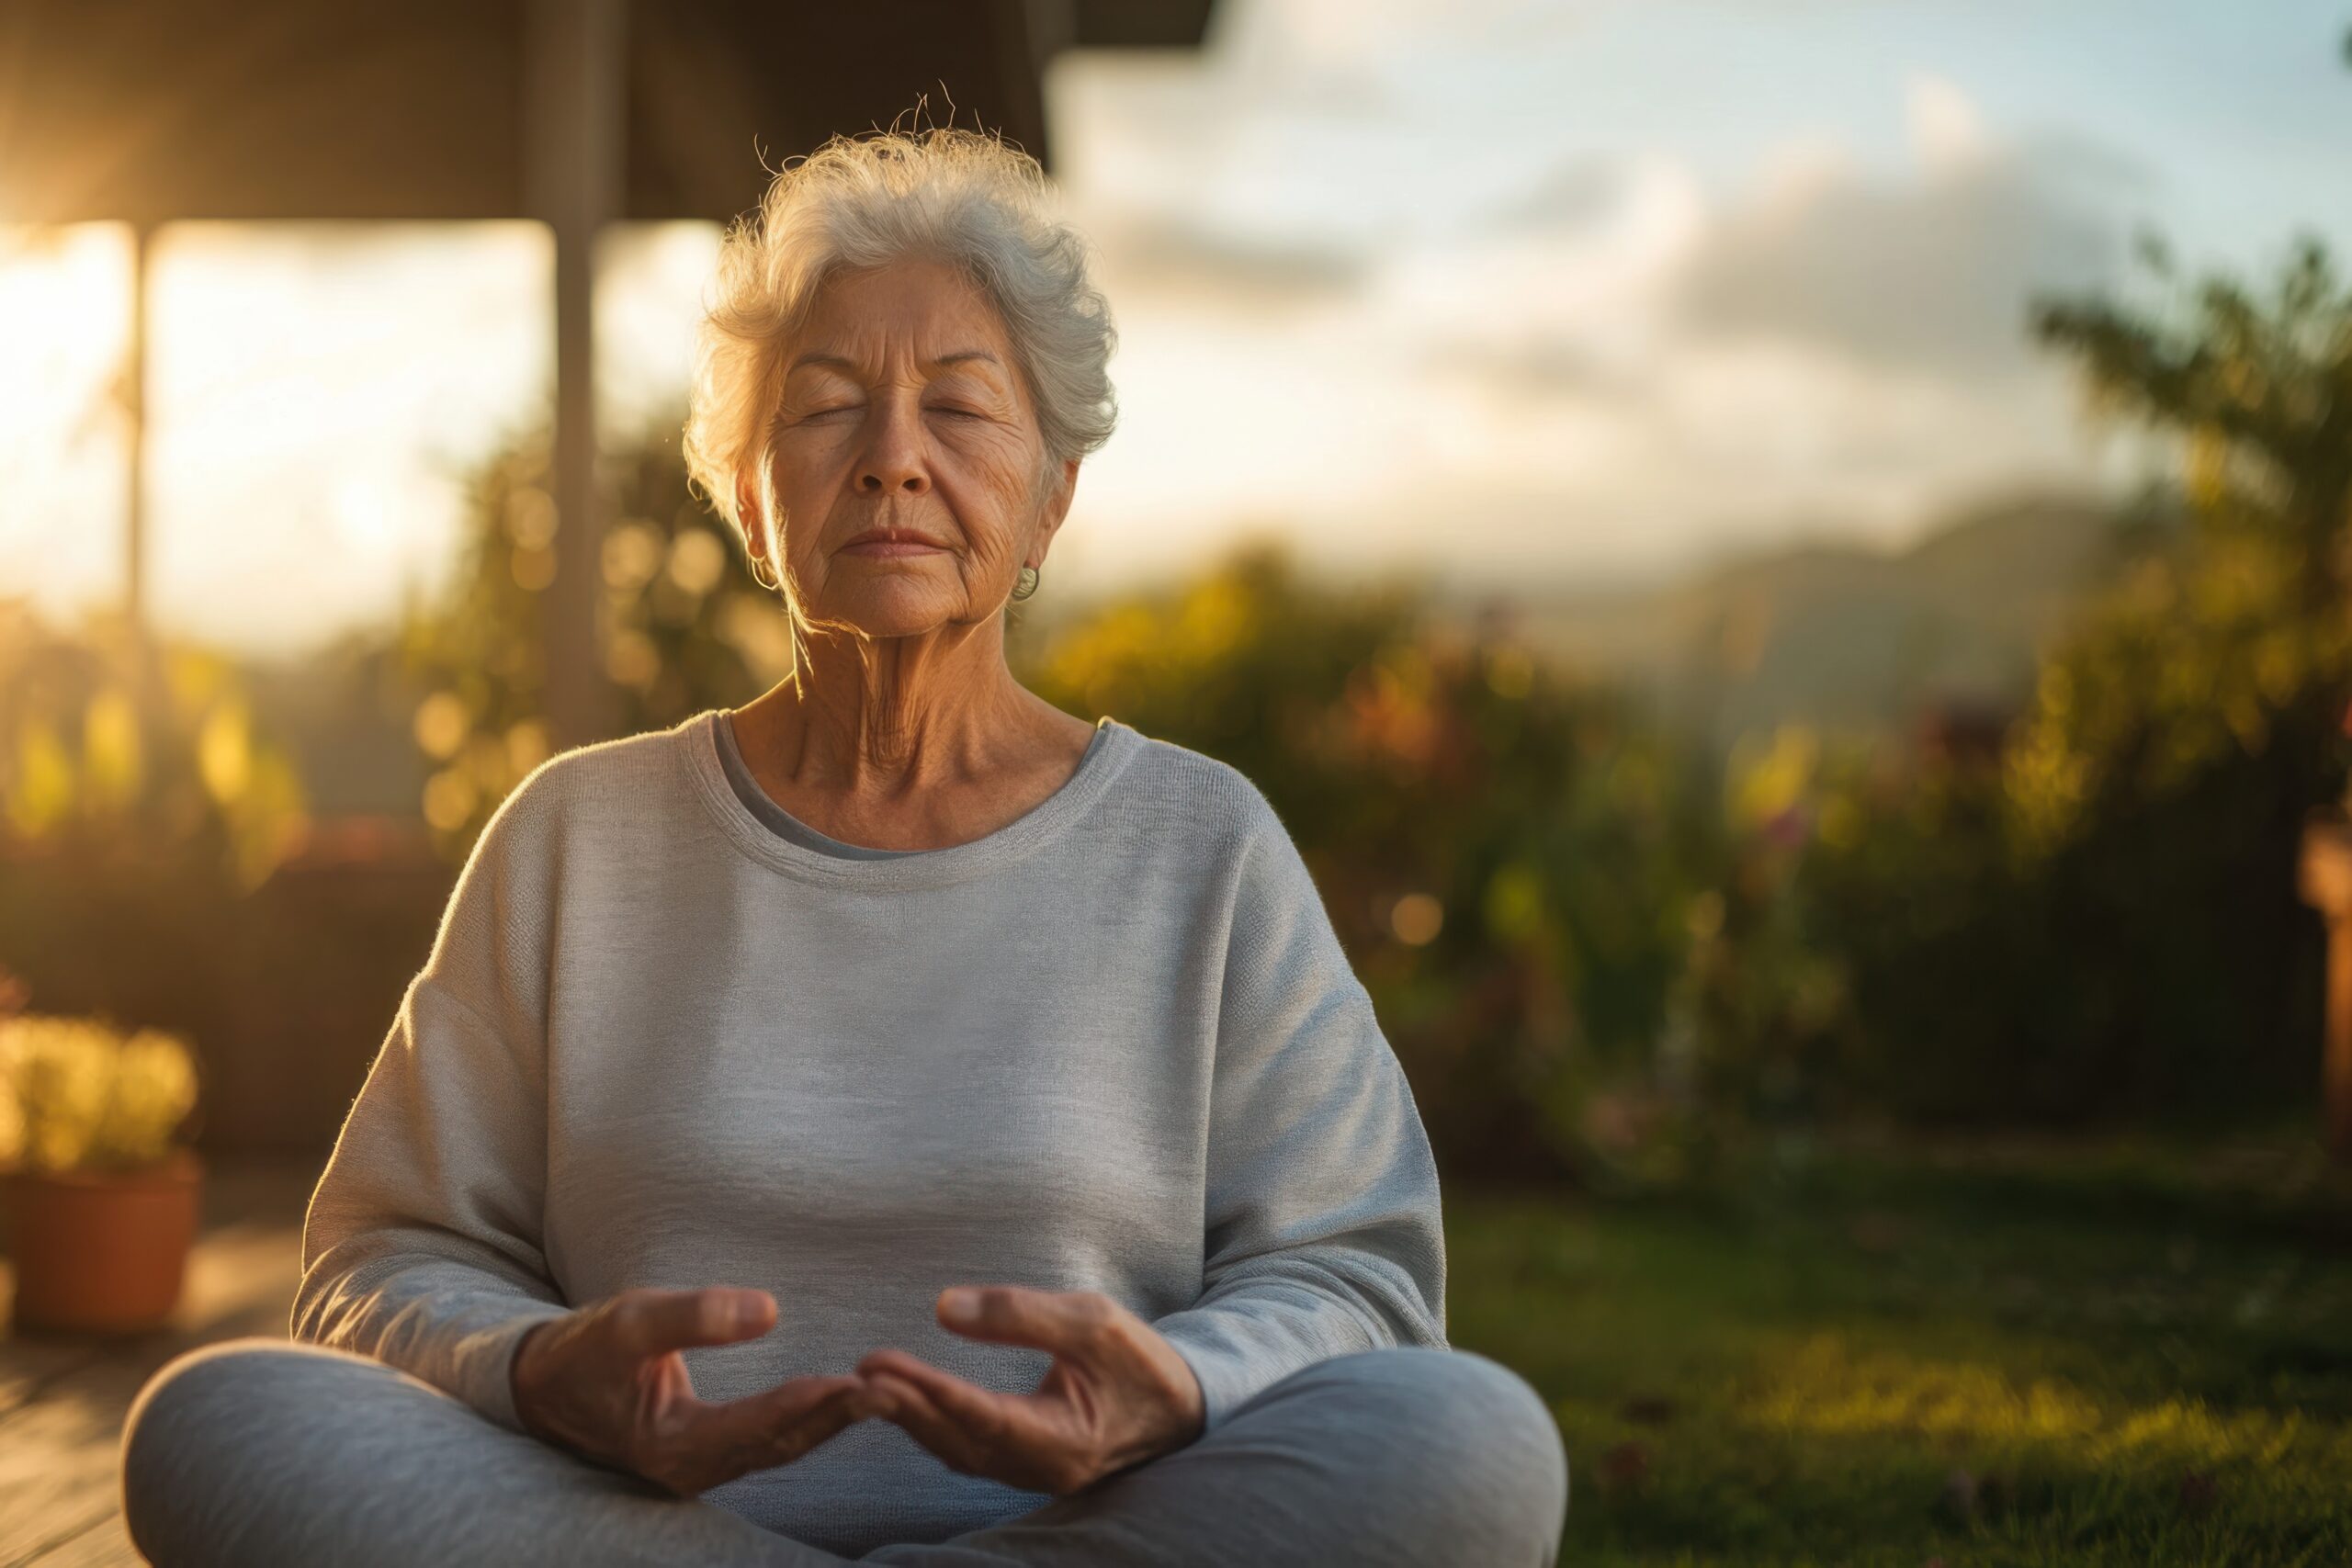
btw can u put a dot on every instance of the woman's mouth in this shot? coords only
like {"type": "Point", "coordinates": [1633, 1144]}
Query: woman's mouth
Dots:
{"type": "Point", "coordinates": [891, 548]}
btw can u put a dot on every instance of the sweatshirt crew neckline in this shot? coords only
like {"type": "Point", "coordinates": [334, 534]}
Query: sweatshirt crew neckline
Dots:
{"type": "Point", "coordinates": [783, 823]}
{"type": "Point", "coordinates": [1107, 756]}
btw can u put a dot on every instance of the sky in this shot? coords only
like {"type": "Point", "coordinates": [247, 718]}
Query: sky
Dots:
{"type": "Point", "coordinates": [1516, 295]}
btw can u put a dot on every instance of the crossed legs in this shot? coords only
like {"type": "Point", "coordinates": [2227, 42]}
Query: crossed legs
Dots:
{"type": "Point", "coordinates": [261, 1452]}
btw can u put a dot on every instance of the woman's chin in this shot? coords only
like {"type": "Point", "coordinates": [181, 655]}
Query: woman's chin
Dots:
{"type": "Point", "coordinates": [893, 604]}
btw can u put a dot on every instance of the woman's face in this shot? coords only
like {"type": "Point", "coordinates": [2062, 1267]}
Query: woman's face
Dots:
{"type": "Point", "coordinates": [903, 409]}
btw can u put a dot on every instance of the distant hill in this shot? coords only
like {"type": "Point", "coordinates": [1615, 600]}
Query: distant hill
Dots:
{"type": "Point", "coordinates": [1843, 636]}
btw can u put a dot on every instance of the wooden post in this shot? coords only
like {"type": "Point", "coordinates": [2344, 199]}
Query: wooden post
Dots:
{"type": "Point", "coordinates": [133, 401]}
{"type": "Point", "coordinates": [573, 172]}
{"type": "Point", "coordinates": [2324, 879]}
{"type": "Point", "coordinates": [2339, 1037]}
{"type": "Point", "coordinates": [139, 646]}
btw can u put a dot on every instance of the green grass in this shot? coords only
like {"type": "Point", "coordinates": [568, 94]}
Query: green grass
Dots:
{"type": "Point", "coordinates": [2078, 1356]}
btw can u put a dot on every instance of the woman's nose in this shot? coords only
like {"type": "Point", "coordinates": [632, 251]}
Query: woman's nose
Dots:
{"type": "Point", "coordinates": [894, 460]}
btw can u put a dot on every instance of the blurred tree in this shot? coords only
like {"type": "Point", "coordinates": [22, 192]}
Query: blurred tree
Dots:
{"type": "Point", "coordinates": [682, 626]}
{"type": "Point", "coordinates": [2179, 740]}
{"type": "Point", "coordinates": [2208, 650]}
{"type": "Point", "coordinates": [143, 813]}
{"type": "Point", "coordinates": [1507, 854]}
{"type": "Point", "coordinates": [1769, 1023]}
{"type": "Point", "coordinates": [119, 754]}
{"type": "Point", "coordinates": [2106, 922]}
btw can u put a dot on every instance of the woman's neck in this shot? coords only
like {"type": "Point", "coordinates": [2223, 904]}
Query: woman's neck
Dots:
{"type": "Point", "coordinates": [900, 742]}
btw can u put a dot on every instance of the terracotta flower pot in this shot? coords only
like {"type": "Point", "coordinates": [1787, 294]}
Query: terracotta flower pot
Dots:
{"type": "Point", "coordinates": [102, 1252]}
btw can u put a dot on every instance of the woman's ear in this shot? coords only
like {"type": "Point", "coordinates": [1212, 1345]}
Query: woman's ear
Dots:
{"type": "Point", "coordinates": [1063, 486]}
{"type": "Point", "coordinates": [747, 513]}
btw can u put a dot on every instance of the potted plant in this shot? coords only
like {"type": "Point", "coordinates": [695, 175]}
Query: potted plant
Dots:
{"type": "Point", "coordinates": [101, 1196]}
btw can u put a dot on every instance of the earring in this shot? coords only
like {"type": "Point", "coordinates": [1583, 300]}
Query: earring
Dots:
{"type": "Point", "coordinates": [1027, 584]}
{"type": "Point", "coordinates": [770, 582]}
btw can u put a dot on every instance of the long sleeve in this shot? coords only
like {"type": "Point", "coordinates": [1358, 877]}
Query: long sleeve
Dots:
{"type": "Point", "coordinates": [422, 1243]}
{"type": "Point", "coordinates": [1324, 1234]}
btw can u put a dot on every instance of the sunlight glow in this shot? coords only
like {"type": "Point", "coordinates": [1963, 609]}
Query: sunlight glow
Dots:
{"type": "Point", "coordinates": [1826, 1387]}
{"type": "Point", "coordinates": [317, 393]}
{"type": "Point", "coordinates": [64, 315]}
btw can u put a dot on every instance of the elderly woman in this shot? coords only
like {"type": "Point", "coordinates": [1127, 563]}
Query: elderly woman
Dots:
{"type": "Point", "coordinates": [894, 1121]}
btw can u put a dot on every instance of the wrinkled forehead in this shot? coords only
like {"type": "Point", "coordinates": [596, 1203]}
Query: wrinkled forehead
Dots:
{"type": "Point", "coordinates": [983, 364]}
{"type": "Point", "coordinates": [876, 321]}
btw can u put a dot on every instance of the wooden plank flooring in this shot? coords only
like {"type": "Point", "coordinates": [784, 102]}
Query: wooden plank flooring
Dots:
{"type": "Point", "coordinates": [62, 1399]}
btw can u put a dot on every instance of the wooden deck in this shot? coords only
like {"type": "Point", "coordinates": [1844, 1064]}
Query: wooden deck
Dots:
{"type": "Point", "coordinates": [62, 1399]}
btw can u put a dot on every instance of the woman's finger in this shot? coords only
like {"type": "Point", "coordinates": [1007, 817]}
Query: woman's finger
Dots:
{"type": "Point", "coordinates": [912, 1407]}
{"type": "Point", "coordinates": [1006, 1422]}
{"type": "Point", "coordinates": [986, 1412]}
{"type": "Point", "coordinates": [801, 1424]}
{"type": "Point", "coordinates": [652, 1323]}
{"type": "Point", "coordinates": [898, 1363]}
{"type": "Point", "coordinates": [790, 1402]}
{"type": "Point", "coordinates": [1018, 1437]}
{"type": "Point", "coordinates": [1072, 1323]}
{"type": "Point", "coordinates": [776, 1425]}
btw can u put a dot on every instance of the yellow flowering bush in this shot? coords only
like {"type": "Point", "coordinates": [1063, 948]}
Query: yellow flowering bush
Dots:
{"type": "Point", "coordinates": [118, 751]}
{"type": "Point", "coordinates": [76, 1094]}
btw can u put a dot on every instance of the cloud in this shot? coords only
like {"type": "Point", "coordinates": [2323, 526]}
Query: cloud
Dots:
{"type": "Point", "coordinates": [1538, 367]}
{"type": "Point", "coordinates": [1166, 254]}
{"type": "Point", "coordinates": [1580, 193]}
{"type": "Point", "coordinates": [1932, 275]}
{"type": "Point", "coordinates": [1555, 290]}
{"type": "Point", "coordinates": [1580, 356]}
{"type": "Point", "coordinates": [1945, 129]}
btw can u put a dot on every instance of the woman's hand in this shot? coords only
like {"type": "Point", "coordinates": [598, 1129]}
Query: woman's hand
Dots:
{"type": "Point", "coordinates": [608, 1383]}
{"type": "Point", "coordinates": [1117, 1394]}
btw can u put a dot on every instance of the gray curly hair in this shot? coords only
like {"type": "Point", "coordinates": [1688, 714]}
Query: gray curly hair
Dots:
{"type": "Point", "coordinates": [945, 193]}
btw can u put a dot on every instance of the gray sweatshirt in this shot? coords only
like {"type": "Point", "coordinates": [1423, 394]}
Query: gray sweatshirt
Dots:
{"type": "Point", "coordinates": [668, 1037]}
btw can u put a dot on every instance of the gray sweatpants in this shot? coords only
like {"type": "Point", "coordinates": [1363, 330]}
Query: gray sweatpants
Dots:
{"type": "Point", "coordinates": [259, 1452]}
